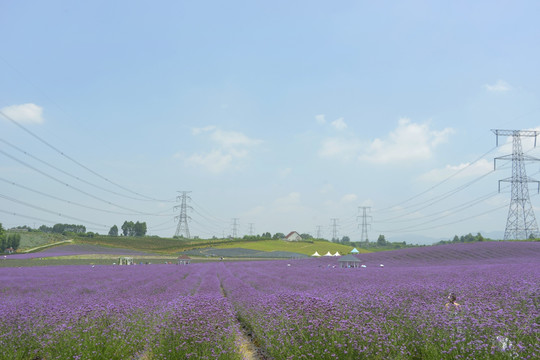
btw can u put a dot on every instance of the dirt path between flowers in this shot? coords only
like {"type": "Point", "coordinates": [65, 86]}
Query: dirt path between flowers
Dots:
{"type": "Point", "coordinates": [246, 347]}
{"type": "Point", "coordinates": [244, 341]}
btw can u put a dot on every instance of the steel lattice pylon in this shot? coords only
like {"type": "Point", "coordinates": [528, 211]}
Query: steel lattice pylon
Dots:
{"type": "Point", "coordinates": [182, 229]}
{"type": "Point", "coordinates": [521, 223]}
{"type": "Point", "coordinates": [365, 216]}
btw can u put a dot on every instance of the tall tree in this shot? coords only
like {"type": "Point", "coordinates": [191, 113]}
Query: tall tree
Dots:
{"type": "Point", "coordinates": [113, 231]}
{"type": "Point", "coordinates": [125, 228]}
{"type": "Point", "coordinates": [139, 228]}
{"type": "Point", "coordinates": [3, 241]}
{"type": "Point", "coordinates": [13, 241]}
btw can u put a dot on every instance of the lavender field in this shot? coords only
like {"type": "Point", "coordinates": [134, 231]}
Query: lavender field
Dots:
{"type": "Point", "coordinates": [294, 309]}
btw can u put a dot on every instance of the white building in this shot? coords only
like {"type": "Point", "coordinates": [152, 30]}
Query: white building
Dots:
{"type": "Point", "coordinates": [293, 236]}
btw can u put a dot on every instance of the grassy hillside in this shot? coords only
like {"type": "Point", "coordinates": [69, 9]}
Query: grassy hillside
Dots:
{"type": "Point", "coordinates": [32, 240]}
{"type": "Point", "coordinates": [302, 247]}
{"type": "Point", "coordinates": [35, 239]}
{"type": "Point", "coordinates": [150, 244]}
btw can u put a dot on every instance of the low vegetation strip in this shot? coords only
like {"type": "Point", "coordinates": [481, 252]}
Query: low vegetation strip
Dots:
{"type": "Point", "coordinates": [243, 253]}
{"type": "Point", "coordinates": [308, 308]}
{"type": "Point", "coordinates": [61, 249]}
{"type": "Point", "coordinates": [301, 247]}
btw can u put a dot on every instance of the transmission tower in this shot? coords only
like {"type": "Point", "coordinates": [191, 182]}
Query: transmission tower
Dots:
{"type": "Point", "coordinates": [235, 228]}
{"type": "Point", "coordinates": [318, 232]}
{"type": "Point", "coordinates": [250, 229]}
{"type": "Point", "coordinates": [364, 216]}
{"type": "Point", "coordinates": [182, 229]}
{"type": "Point", "coordinates": [521, 222]}
{"type": "Point", "coordinates": [334, 229]}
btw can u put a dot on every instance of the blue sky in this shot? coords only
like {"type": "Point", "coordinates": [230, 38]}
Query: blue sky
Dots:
{"type": "Point", "coordinates": [281, 114]}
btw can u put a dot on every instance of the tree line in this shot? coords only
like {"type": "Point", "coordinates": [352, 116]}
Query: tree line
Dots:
{"type": "Point", "coordinates": [129, 228]}
{"type": "Point", "coordinates": [465, 239]}
{"type": "Point", "coordinates": [8, 241]}
{"type": "Point", "coordinates": [63, 228]}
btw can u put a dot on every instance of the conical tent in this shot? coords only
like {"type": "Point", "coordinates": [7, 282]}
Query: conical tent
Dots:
{"type": "Point", "coordinates": [316, 254]}
{"type": "Point", "coordinates": [328, 254]}
{"type": "Point", "coordinates": [337, 254]}
{"type": "Point", "coordinates": [354, 251]}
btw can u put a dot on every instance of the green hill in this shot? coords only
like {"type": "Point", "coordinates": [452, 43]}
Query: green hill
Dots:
{"type": "Point", "coordinates": [302, 247]}
{"type": "Point", "coordinates": [34, 241]}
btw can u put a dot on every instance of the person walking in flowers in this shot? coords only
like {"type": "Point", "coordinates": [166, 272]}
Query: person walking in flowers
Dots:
{"type": "Point", "coordinates": [452, 304]}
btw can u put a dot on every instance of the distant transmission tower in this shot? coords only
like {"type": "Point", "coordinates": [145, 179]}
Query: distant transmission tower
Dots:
{"type": "Point", "coordinates": [235, 228]}
{"type": "Point", "coordinates": [334, 229]}
{"type": "Point", "coordinates": [250, 229]}
{"type": "Point", "coordinates": [318, 232]}
{"type": "Point", "coordinates": [182, 229]}
{"type": "Point", "coordinates": [364, 216]}
{"type": "Point", "coordinates": [521, 222]}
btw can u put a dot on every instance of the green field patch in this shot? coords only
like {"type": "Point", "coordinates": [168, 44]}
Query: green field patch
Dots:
{"type": "Point", "coordinates": [301, 247]}
{"type": "Point", "coordinates": [151, 244]}
{"type": "Point", "coordinates": [37, 239]}
{"type": "Point", "coordinates": [110, 257]}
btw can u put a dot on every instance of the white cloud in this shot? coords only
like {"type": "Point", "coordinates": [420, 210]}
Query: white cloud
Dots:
{"type": "Point", "coordinates": [340, 147]}
{"type": "Point", "coordinates": [339, 124]}
{"type": "Point", "coordinates": [197, 131]}
{"type": "Point", "coordinates": [292, 198]}
{"type": "Point", "coordinates": [215, 161]}
{"type": "Point", "coordinates": [25, 113]}
{"type": "Point", "coordinates": [320, 119]}
{"type": "Point", "coordinates": [479, 168]}
{"type": "Point", "coordinates": [232, 139]}
{"type": "Point", "coordinates": [230, 147]}
{"type": "Point", "coordinates": [349, 198]}
{"type": "Point", "coordinates": [283, 173]}
{"type": "Point", "coordinates": [499, 86]}
{"type": "Point", "coordinates": [327, 188]}
{"type": "Point", "coordinates": [408, 142]}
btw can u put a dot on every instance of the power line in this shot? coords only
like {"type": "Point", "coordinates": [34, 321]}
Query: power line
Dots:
{"type": "Point", "coordinates": [439, 183]}
{"type": "Point", "coordinates": [31, 217]}
{"type": "Point", "coordinates": [49, 211]}
{"type": "Point", "coordinates": [68, 174]}
{"type": "Point", "coordinates": [71, 186]}
{"type": "Point", "coordinates": [435, 200]}
{"type": "Point", "coordinates": [77, 162]}
{"type": "Point", "coordinates": [407, 229]}
{"type": "Point", "coordinates": [73, 202]}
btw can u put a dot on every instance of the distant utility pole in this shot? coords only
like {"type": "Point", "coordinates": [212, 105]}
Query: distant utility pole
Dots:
{"type": "Point", "coordinates": [521, 222]}
{"type": "Point", "coordinates": [235, 228]}
{"type": "Point", "coordinates": [364, 216]}
{"type": "Point", "coordinates": [182, 229]}
{"type": "Point", "coordinates": [334, 229]}
{"type": "Point", "coordinates": [250, 229]}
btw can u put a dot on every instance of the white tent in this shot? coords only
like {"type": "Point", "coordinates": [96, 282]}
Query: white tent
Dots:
{"type": "Point", "coordinates": [337, 254]}
{"type": "Point", "coordinates": [316, 254]}
{"type": "Point", "coordinates": [354, 251]}
{"type": "Point", "coordinates": [328, 254]}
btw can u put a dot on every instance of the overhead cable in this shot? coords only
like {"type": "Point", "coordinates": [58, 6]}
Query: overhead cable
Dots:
{"type": "Point", "coordinates": [80, 164]}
